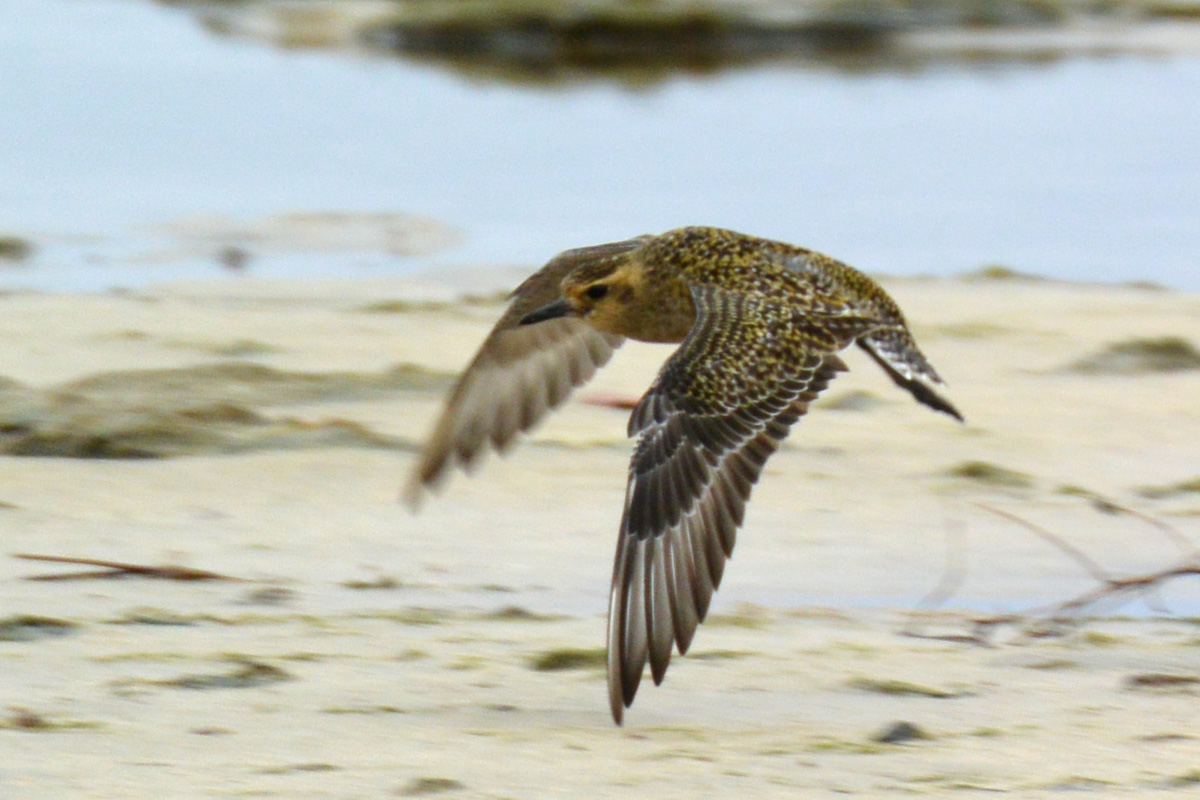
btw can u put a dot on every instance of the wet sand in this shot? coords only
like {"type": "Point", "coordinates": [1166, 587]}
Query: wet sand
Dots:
{"type": "Point", "coordinates": [262, 430]}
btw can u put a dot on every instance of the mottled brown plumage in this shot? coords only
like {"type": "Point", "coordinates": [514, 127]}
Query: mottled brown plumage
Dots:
{"type": "Point", "coordinates": [760, 324]}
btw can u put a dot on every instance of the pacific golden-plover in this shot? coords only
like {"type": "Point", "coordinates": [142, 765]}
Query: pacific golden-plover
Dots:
{"type": "Point", "coordinates": [760, 324]}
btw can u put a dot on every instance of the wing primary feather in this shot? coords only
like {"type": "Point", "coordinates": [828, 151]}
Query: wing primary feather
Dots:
{"type": "Point", "coordinates": [658, 609]}
{"type": "Point", "coordinates": [683, 602]}
{"type": "Point", "coordinates": [507, 419]}
{"type": "Point", "coordinates": [635, 645]}
{"type": "Point", "coordinates": [715, 518]}
{"type": "Point", "coordinates": [702, 585]}
{"type": "Point", "coordinates": [715, 556]}
{"type": "Point", "coordinates": [734, 505]}
{"type": "Point", "coordinates": [617, 615]}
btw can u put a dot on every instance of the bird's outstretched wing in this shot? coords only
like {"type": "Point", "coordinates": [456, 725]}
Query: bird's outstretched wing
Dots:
{"type": "Point", "coordinates": [721, 405]}
{"type": "Point", "coordinates": [520, 373]}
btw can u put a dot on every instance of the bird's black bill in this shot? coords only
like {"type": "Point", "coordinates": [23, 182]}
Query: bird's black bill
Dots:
{"type": "Point", "coordinates": [559, 308]}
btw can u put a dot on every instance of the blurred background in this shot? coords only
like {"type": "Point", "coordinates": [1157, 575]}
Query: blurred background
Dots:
{"type": "Point", "coordinates": [144, 141]}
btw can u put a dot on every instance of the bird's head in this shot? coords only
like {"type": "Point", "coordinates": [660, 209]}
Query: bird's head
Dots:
{"type": "Point", "coordinates": [605, 295]}
{"type": "Point", "coordinates": [625, 297]}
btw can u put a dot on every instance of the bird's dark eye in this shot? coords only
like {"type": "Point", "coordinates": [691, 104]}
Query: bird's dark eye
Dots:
{"type": "Point", "coordinates": [597, 291]}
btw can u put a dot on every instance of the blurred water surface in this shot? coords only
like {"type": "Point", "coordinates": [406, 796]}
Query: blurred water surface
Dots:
{"type": "Point", "coordinates": [138, 145]}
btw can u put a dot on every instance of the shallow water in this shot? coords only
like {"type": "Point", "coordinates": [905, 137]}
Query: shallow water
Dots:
{"type": "Point", "coordinates": [126, 117]}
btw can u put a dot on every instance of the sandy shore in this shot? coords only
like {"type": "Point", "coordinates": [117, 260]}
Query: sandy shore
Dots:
{"type": "Point", "coordinates": [266, 428]}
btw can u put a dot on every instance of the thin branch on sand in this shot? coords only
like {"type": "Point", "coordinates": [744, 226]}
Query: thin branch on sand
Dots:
{"type": "Point", "coordinates": [1055, 618]}
{"type": "Point", "coordinates": [120, 569]}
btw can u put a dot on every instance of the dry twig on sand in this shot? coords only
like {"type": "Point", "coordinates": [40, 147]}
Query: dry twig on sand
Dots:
{"type": "Point", "coordinates": [1054, 619]}
{"type": "Point", "coordinates": [120, 569]}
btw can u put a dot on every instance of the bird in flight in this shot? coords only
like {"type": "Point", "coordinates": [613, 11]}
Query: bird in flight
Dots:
{"type": "Point", "coordinates": [759, 324]}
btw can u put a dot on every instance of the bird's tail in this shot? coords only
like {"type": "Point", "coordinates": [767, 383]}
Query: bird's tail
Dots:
{"type": "Point", "coordinates": [894, 350]}
{"type": "Point", "coordinates": [896, 347]}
